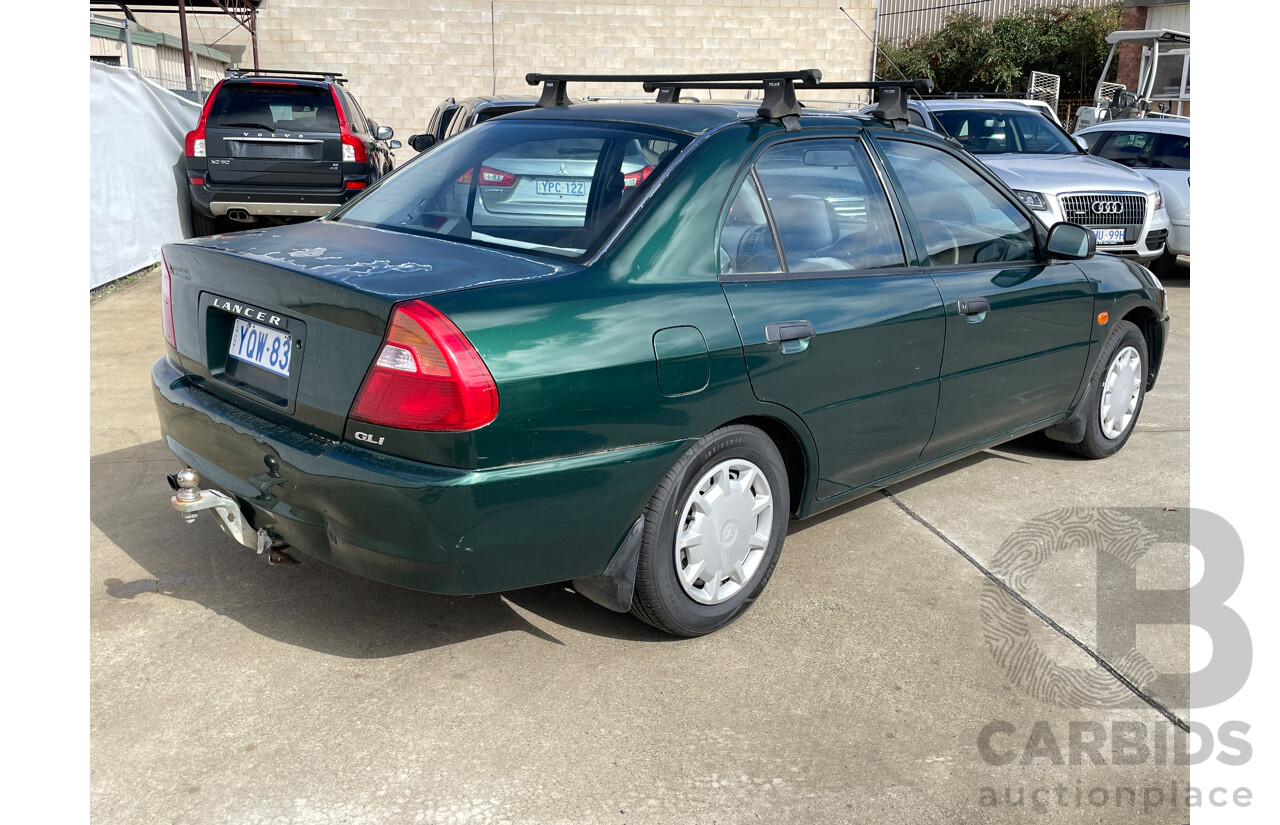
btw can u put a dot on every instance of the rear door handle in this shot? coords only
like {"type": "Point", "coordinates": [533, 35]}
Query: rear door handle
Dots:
{"type": "Point", "coordinates": [787, 331]}
{"type": "Point", "coordinates": [792, 335]}
{"type": "Point", "coordinates": [973, 306]}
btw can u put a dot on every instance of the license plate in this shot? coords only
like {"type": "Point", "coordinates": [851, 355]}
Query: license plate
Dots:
{"type": "Point", "coordinates": [1109, 236]}
{"type": "Point", "coordinates": [261, 346]}
{"type": "Point", "coordinates": [561, 187]}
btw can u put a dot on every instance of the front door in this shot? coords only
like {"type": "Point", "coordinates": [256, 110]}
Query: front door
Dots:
{"type": "Point", "coordinates": [1017, 328]}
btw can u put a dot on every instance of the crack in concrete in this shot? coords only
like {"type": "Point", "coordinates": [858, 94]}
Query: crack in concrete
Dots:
{"type": "Point", "coordinates": [1066, 634]}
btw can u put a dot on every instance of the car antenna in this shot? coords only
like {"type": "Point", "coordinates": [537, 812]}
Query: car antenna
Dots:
{"type": "Point", "coordinates": [875, 59]}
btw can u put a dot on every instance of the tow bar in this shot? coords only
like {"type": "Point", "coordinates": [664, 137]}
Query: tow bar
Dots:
{"type": "Point", "coordinates": [190, 500]}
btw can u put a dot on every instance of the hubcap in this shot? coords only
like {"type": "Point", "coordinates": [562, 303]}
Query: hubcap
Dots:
{"type": "Point", "coordinates": [723, 531]}
{"type": "Point", "coordinates": [1120, 389]}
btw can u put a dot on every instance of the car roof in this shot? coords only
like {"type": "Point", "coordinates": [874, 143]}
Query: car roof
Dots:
{"type": "Point", "coordinates": [980, 103]}
{"type": "Point", "coordinates": [1166, 125]}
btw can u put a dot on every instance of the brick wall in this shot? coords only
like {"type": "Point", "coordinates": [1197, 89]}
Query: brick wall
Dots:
{"type": "Point", "coordinates": [1129, 55]}
{"type": "Point", "coordinates": [404, 56]}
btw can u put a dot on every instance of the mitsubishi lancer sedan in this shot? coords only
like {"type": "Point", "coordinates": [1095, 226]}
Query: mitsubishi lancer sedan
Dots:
{"type": "Point", "coordinates": [785, 313]}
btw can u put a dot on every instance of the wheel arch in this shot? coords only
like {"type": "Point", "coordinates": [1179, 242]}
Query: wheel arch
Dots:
{"type": "Point", "coordinates": [801, 469]}
{"type": "Point", "coordinates": [1148, 324]}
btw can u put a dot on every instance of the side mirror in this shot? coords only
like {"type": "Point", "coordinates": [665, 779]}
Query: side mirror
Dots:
{"type": "Point", "coordinates": [422, 142]}
{"type": "Point", "coordinates": [383, 133]}
{"type": "Point", "coordinates": [395, 144]}
{"type": "Point", "coordinates": [1071, 242]}
{"type": "Point", "coordinates": [1083, 144]}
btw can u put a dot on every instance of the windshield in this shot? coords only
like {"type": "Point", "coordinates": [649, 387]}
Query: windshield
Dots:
{"type": "Point", "coordinates": [992, 132]}
{"type": "Point", "coordinates": [551, 187]}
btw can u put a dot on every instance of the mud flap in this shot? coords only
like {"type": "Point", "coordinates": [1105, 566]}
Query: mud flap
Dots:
{"type": "Point", "coordinates": [615, 587]}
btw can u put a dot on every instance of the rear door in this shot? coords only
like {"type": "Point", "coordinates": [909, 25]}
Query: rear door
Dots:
{"type": "Point", "coordinates": [1017, 328]}
{"type": "Point", "coordinates": [834, 325]}
{"type": "Point", "coordinates": [274, 133]}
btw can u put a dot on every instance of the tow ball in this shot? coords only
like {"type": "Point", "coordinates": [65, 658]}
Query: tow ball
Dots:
{"type": "Point", "coordinates": [190, 500]}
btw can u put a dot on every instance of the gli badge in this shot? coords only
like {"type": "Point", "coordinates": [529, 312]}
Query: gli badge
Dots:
{"type": "Point", "coordinates": [371, 439]}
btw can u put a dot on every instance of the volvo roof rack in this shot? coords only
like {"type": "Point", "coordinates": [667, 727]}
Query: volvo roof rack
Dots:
{"type": "Point", "coordinates": [331, 77]}
{"type": "Point", "coordinates": [779, 88]}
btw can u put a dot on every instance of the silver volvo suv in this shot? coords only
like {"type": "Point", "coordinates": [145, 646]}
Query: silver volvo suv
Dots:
{"type": "Point", "coordinates": [1052, 174]}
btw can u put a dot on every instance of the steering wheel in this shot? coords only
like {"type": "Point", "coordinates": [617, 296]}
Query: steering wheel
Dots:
{"type": "Point", "coordinates": [937, 235]}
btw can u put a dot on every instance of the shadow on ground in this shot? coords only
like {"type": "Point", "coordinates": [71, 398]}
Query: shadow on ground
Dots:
{"type": "Point", "coordinates": [312, 605]}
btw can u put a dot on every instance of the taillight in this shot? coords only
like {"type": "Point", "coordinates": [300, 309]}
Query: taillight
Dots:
{"type": "Point", "coordinates": [195, 138]}
{"type": "Point", "coordinates": [166, 303]}
{"type": "Point", "coordinates": [636, 178]}
{"type": "Point", "coordinates": [427, 376]}
{"type": "Point", "coordinates": [490, 177]}
{"type": "Point", "coordinates": [353, 150]}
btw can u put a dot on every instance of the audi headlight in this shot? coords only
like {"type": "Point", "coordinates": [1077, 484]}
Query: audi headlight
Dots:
{"type": "Point", "coordinates": [1159, 200]}
{"type": "Point", "coordinates": [1033, 200]}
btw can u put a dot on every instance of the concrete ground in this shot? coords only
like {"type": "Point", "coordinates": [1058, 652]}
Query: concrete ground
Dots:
{"type": "Point", "coordinates": [857, 689]}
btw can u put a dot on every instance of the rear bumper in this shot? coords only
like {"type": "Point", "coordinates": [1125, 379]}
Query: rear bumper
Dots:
{"type": "Point", "coordinates": [214, 200]}
{"type": "Point", "coordinates": [438, 529]}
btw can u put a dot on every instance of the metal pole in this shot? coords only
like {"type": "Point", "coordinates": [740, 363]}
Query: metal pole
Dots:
{"type": "Point", "coordinates": [128, 43]}
{"type": "Point", "coordinates": [186, 47]}
{"type": "Point", "coordinates": [875, 42]}
{"type": "Point", "coordinates": [253, 32]}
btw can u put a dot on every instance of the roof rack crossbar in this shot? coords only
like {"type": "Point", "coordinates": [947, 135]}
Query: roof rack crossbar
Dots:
{"type": "Point", "coordinates": [333, 77]}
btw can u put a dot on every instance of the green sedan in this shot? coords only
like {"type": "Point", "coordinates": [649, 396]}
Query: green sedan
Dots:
{"type": "Point", "coordinates": [625, 344]}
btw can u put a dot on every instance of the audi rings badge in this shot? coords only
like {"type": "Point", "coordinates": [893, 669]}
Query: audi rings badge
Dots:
{"type": "Point", "coordinates": [1107, 207]}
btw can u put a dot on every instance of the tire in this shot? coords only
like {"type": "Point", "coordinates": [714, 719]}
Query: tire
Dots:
{"type": "Point", "coordinates": [669, 593]}
{"type": "Point", "coordinates": [203, 225]}
{"type": "Point", "coordinates": [1118, 384]}
{"type": "Point", "coordinates": [1164, 266]}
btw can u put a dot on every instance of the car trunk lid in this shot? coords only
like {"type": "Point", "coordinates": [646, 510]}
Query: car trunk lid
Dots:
{"type": "Point", "coordinates": [285, 322]}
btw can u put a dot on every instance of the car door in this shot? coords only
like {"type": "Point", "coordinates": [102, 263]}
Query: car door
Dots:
{"type": "Point", "coordinates": [1017, 327]}
{"type": "Point", "coordinates": [834, 325]}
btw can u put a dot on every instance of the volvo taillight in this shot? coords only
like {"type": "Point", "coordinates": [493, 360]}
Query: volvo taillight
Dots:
{"type": "Point", "coordinates": [166, 303]}
{"type": "Point", "coordinates": [195, 146]}
{"type": "Point", "coordinates": [353, 150]}
{"type": "Point", "coordinates": [427, 376]}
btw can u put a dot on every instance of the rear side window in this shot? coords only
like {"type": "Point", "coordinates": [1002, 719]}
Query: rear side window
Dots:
{"type": "Point", "coordinates": [961, 218]}
{"type": "Point", "coordinates": [556, 188]}
{"type": "Point", "coordinates": [828, 206]}
{"type": "Point", "coordinates": [273, 107]}
{"type": "Point", "coordinates": [1131, 149]}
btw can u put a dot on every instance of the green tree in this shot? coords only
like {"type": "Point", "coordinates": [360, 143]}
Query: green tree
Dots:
{"type": "Point", "coordinates": [969, 54]}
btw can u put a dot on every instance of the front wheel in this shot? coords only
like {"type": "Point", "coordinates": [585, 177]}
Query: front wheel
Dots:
{"type": "Point", "coordinates": [1117, 389]}
{"type": "Point", "coordinates": [713, 532]}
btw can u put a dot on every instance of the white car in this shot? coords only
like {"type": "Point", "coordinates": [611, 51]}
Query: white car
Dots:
{"type": "Point", "coordinates": [1159, 148]}
{"type": "Point", "coordinates": [1050, 172]}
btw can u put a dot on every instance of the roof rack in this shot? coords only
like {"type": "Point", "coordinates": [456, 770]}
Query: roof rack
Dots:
{"type": "Point", "coordinates": [330, 77]}
{"type": "Point", "coordinates": [779, 102]}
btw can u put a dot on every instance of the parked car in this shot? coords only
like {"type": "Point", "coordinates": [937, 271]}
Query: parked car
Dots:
{"type": "Point", "coordinates": [452, 116]}
{"type": "Point", "coordinates": [788, 312]}
{"type": "Point", "coordinates": [1053, 175]}
{"type": "Point", "coordinates": [280, 145]}
{"type": "Point", "coordinates": [1159, 148]}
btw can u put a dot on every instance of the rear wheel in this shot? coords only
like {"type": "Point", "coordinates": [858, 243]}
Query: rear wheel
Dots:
{"type": "Point", "coordinates": [1118, 387]}
{"type": "Point", "coordinates": [203, 225]}
{"type": "Point", "coordinates": [713, 532]}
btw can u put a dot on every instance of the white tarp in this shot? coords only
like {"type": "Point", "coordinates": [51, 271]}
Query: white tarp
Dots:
{"type": "Point", "coordinates": [137, 192]}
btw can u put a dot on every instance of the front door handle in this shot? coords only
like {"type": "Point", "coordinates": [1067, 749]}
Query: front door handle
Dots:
{"type": "Point", "coordinates": [792, 335]}
{"type": "Point", "coordinates": [975, 309]}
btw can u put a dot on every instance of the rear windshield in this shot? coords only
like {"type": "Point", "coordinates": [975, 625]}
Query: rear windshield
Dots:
{"type": "Point", "coordinates": [551, 187]}
{"type": "Point", "coordinates": [993, 132]}
{"type": "Point", "coordinates": [270, 106]}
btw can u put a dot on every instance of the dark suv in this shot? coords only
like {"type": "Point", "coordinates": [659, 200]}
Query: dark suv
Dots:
{"type": "Point", "coordinates": [279, 145]}
{"type": "Point", "coordinates": [453, 116]}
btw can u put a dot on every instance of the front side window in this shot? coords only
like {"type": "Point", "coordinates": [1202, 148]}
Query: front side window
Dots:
{"type": "Point", "coordinates": [556, 187]}
{"type": "Point", "coordinates": [962, 219]}
{"type": "Point", "coordinates": [1132, 149]}
{"type": "Point", "coordinates": [828, 206]}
